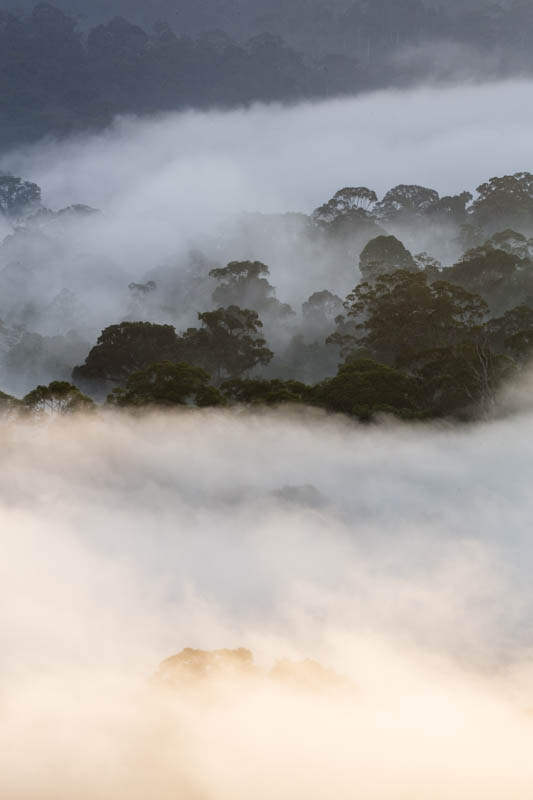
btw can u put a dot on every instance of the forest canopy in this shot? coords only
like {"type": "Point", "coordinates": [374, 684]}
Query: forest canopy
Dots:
{"type": "Point", "coordinates": [414, 338]}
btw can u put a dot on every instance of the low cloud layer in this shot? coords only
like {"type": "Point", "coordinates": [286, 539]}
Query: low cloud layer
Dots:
{"type": "Point", "coordinates": [162, 182]}
{"type": "Point", "coordinates": [396, 556]}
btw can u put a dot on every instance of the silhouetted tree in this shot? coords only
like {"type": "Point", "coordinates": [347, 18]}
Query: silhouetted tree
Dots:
{"type": "Point", "coordinates": [167, 384]}
{"type": "Point", "coordinates": [228, 343]}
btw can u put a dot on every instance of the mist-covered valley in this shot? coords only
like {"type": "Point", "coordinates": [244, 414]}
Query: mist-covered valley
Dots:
{"type": "Point", "coordinates": [277, 252]}
{"type": "Point", "coordinates": [265, 417]}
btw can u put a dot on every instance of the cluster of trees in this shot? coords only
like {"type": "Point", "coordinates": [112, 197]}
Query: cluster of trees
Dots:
{"type": "Point", "coordinates": [500, 203]}
{"type": "Point", "coordinates": [193, 667]}
{"type": "Point", "coordinates": [413, 337]}
{"type": "Point", "coordinates": [58, 398]}
{"type": "Point", "coordinates": [55, 78]}
{"type": "Point", "coordinates": [409, 347]}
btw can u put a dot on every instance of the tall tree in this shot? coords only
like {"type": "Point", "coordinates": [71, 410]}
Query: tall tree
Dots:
{"type": "Point", "coordinates": [18, 196]}
{"type": "Point", "coordinates": [59, 397]}
{"type": "Point", "coordinates": [382, 255]}
{"type": "Point", "coordinates": [401, 314]}
{"type": "Point", "coordinates": [125, 348]}
{"type": "Point", "coordinates": [167, 384]}
{"type": "Point", "coordinates": [227, 344]}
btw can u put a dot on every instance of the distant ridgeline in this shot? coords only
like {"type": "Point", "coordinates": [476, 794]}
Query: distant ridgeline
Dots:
{"type": "Point", "coordinates": [414, 338]}
{"type": "Point", "coordinates": [55, 78]}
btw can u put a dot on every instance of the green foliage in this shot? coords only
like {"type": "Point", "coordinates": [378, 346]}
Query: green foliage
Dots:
{"type": "Point", "coordinates": [504, 202]}
{"type": "Point", "coordinates": [401, 315]}
{"type": "Point", "coordinates": [363, 387]}
{"type": "Point", "coordinates": [353, 202]}
{"type": "Point", "coordinates": [18, 196]}
{"type": "Point", "coordinates": [125, 348]}
{"type": "Point", "coordinates": [451, 208]}
{"type": "Point", "coordinates": [404, 199]}
{"type": "Point", "coordinates": [512, 333]}
{"type": "Point", "coordinates": [511, 242]}
{"type": "Point", "coordinates": [520, 345]}
{"type": "Point", "coordinates": [227, 344]}
{"type": "Point", "coordinates": [502, 278]}
{"type": "Point", "coordinates": [320, 312]}
{"type": "Point", "coordinates": [236, 271]}
{"type": "Point", "coordinates": [59, 397]}
{"type": "Point", "coordinates": [382, 255]}
{"type": "Point", "coordinates": [324, 305]}
{"type": "Point", "coordinates": [462, 378]}
{"type": "Point", "coordinates": [9, 406]}
{"type": "Point", "coordinates": [244, 284]}
{"type": "Point", "coordinates": [167, 384]}
{"type": "Point", "coordinates": [266, 392]}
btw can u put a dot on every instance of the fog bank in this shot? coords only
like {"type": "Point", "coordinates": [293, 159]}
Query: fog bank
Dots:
{"type": "Point", "coordinates": [290, 158]}
{"type": "Point", "coordinates": [398, 557]}
{"type": "Point", "coordinates": [165, 180]}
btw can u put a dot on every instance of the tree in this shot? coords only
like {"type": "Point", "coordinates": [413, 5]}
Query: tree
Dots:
{"type": "Point", "coordinates": [345, 201]}
{"type": "Point", "coordinates": [463, 378]}
{"type": "Point", "coordinates": [140, 295]}
{"type": "Point", "coordinates": [59, 397]}
{"type": "Point", "coordinates": [244, 284]}
{"type": "Point", "coordinates": [520, 345]}
{"type": "Point", "coordinates": [227, 344]}
{"type": "Point", "coordinates": [266, 392]}
{"type": "Point", "coordinates": [322, 305]}
{"type": "Point", "coordinates": [18, 196]}
{"type": "Point", "coordinates": [384, 254]}
{"type": "Point", "coordinates": [193, 665]}
{"type": "Point", "coordinates": [364, 387]}
{"type": "Point", "coordinates": [43, 357]}
{"type": "Point", "coordinates": [504, 202]}
{"type": "Point", "coordinates": [125, 348]}
{"type": "Point", "coordinates": [401, 314]}
{"type": "Point", "coordinates": [501, 278]}
{"type": "Point", "coordinates": [320, 311]}
{"type": "Point", "coordinates": [167, 384]}
{"type": "Point", "coordinates": [404, 199]}
{"type": "Point", "coordinates": [450, 208]}
{"type": "Point", "coordinates": [9, 406]}
{"type": "Point", "coordinates": [511, 242]}
{"type": "Point", "coordinates": [511, 333]}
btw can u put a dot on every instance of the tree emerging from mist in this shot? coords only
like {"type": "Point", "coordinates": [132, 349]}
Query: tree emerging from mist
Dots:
{"type": "Point", "coordinates": [413, 338]}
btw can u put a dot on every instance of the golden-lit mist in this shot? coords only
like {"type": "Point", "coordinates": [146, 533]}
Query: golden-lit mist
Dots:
{"type": "Point", "coordinates": [378, 579]}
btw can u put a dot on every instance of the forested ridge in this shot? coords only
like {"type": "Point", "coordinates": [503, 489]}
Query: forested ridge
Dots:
{"type": "Point", "coordinates": [57, 76]}
{"type": "Point", "coordinates": [414, 337]}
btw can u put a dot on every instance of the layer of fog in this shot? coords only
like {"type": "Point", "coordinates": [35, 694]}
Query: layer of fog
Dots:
{"type": "Point", "coordinates": [164, 182]}
{"type": "Point", "coordinates": [190, 183]}
{"type": "Point", "coordinates": [399, 557]}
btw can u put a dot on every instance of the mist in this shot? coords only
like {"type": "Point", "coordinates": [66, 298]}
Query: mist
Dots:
{"type": "Point", "coordinates": [397, 557]}
{"type": "Point", "coordinates": [215, 588]}
{"type": "Point", "coordinates": [210, 187]}
{"type": "Point", "coordinates": [198, 167]}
